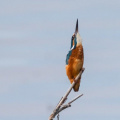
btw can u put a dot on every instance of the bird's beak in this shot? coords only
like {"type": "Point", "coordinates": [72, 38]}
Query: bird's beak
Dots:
{"type": "Point", "coordinates": [76, 29]}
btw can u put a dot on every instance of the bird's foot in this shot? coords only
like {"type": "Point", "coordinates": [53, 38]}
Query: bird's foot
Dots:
{"type": "Point", "coordinates": [74, 80]}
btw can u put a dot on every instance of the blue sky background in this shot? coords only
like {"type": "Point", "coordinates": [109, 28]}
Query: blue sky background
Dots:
{"type": "Point", "coordinates": [34, 40]}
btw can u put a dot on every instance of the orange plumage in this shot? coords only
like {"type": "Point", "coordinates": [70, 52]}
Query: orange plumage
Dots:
{"type": "Point", "coordinates": [75, 60]}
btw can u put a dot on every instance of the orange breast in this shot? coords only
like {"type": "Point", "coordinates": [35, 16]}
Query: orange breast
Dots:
{"type": "Point", "coordinates": [75, 62]}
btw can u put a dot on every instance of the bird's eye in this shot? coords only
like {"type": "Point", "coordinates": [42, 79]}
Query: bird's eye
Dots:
{"type": "Point", "coordinates": [73, 37]}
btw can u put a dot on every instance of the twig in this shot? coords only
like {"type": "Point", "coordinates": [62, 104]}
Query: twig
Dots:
{"type": "Point", "coordinates": [69, 104]}
{"type": "Point", "coordinates": [75, 98]}
{"type": "Point", "coordinates": [64, 98]}
{"type": "Point", "coordinates": [58, 116]}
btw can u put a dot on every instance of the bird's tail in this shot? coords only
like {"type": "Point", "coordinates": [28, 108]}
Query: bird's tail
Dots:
{"type": "Point", "coordinates": [77, 85]}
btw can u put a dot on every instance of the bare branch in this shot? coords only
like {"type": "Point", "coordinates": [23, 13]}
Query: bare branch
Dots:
{"type": "Point", "coordinates": [64, 98]}
{"type": "Point", "coordinates": [58, 116]}
{"type": "Point", "coordinates": [75, 98]}
{"type": "Point", "coordinates": [69, 104]}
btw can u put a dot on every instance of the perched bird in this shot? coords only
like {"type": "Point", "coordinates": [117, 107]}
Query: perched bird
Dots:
{"type": "Point", "coordinates": [75, 58]}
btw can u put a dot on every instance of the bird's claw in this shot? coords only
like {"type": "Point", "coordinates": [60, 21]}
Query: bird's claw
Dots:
{"type": "Point", "coordinates": [74, 80]}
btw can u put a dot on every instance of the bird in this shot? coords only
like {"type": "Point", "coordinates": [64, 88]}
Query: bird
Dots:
{"type": "Point", "coordinates": [75, 58]}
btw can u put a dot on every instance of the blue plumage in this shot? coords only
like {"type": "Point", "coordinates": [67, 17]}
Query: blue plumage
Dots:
{"type": "Point", "coordinates": [68, 56]}
{"type": "Point", "coordinates": [70, 52]}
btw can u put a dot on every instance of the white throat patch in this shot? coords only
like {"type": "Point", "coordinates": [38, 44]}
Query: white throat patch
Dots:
{"type": "Point", "coordinates": [79, 39]}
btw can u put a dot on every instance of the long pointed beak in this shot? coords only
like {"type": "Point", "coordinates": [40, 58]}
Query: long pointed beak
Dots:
{"type": "Point", "coordinates": [76, 29]}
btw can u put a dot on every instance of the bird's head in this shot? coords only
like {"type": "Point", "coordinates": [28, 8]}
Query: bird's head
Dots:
{"type": "Point", "coordinates": [76, 39]}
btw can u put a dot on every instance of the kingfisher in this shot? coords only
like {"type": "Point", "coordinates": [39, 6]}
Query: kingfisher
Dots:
{"type": "Point", "coordinates": [75, 58]}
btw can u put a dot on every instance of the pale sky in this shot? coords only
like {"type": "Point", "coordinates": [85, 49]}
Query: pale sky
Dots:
{"type": "Point", "coordinates": [35, 37]}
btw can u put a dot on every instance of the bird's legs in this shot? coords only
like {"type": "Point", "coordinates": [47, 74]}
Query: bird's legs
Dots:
{"type": "Point", "coordinates": [79, 77]}
{"type": "Point", "coordinates": [74, 80]}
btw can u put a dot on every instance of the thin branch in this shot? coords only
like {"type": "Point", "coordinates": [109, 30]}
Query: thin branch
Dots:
{"type": "Point", "coordinates": [75, 98]}
{"type": "Point", "coordinates": [68, 104]}
{"type": "Point", "coordinates": [64, 98]}
{"type": "Point", "coordinates": [58, 116]}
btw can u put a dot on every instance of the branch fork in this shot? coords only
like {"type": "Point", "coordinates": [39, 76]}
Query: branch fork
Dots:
{"type": "Point", "coordinates": [60, 107]}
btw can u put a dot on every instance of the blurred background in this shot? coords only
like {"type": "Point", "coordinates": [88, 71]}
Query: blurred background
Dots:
{"type": "Point", "coordinates": [35, 36]}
